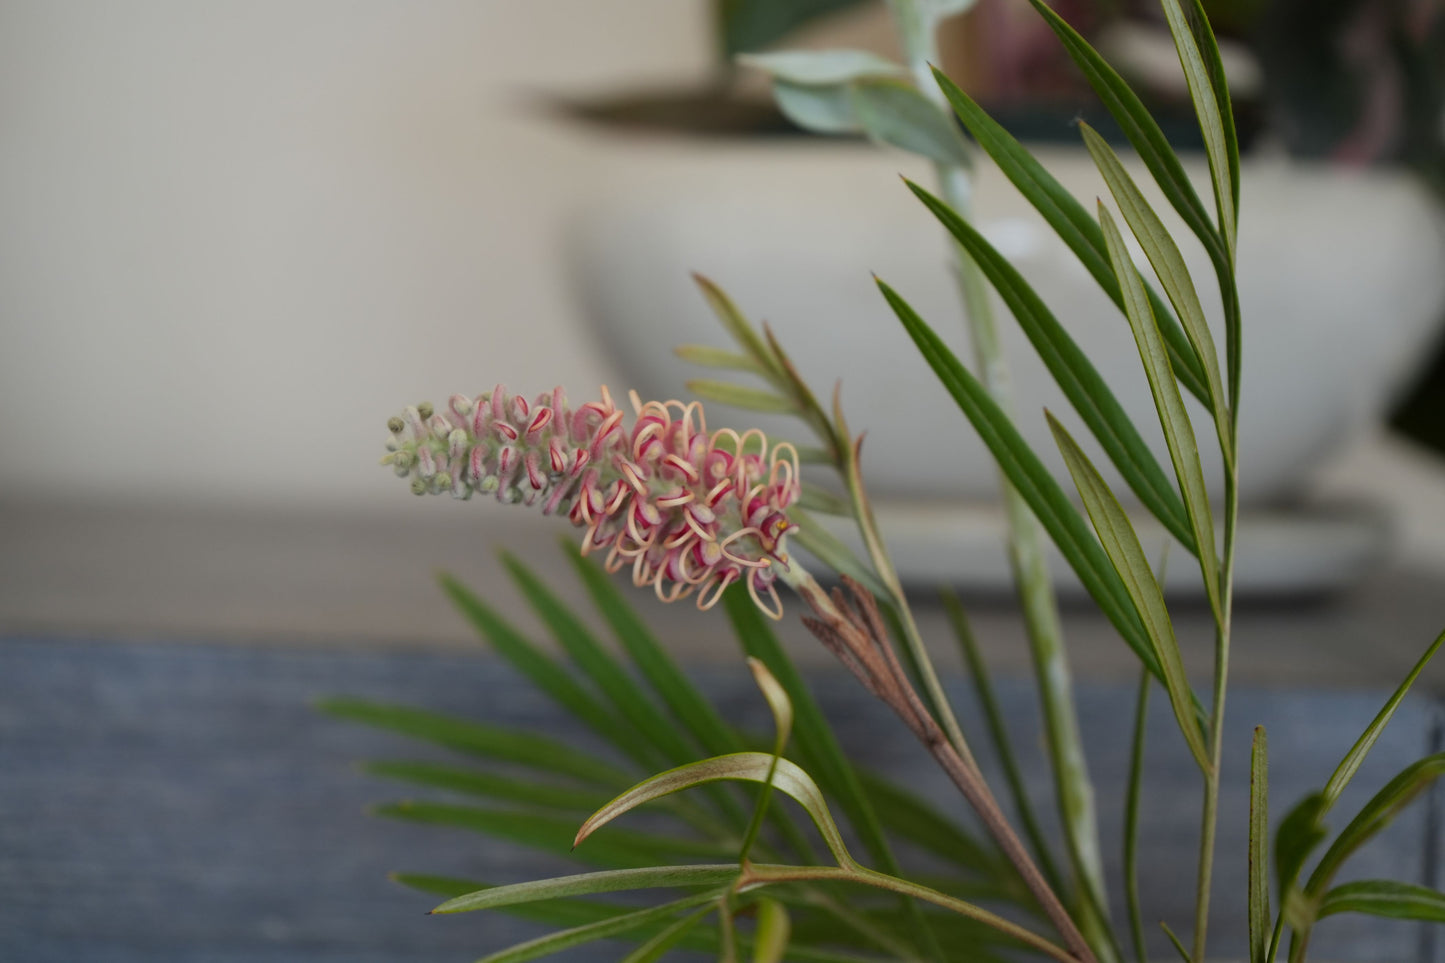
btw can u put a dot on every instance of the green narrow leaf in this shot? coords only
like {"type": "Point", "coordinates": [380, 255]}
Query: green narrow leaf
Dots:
{"type": "Point", "coordinates": [1376, 814]}
{"type": "Point", "coordinates": [475, 782]}
{"type": "Point", "coordinates": [545, 674]}
{"type": "Point", "coordinates": [1302, 830]}
{"type": "Point", "coordinates": [797, 388]}
{"type": "Point", "coordinates": [894, 112]}
{"type": "Point", "coordinates": [555, 912]}
{"type": "Point", "coordinates": [1178, 946]}
{"type": "Point", "coordinates": [778, 703]}
{"type": "Point", "coordinates": [706, 356]}
{"type": "Point", "coordinates": [998, 734]}
{"type": "Point", "coordinates": [682, 698]}
{"type": "Point", "coordinates": [474, 738]}
{"type": "Point", "coordinates": [580, 935]}
{"type": "Point", "coordinates": [1228, 291]}
{"type": "Point", "coordinates": [1380, 897]}
{"type": "Point", "coordinates": [1072, 370]}
{"type": "Point", "coordinates": [575, 911]}
{"type": "Point", "coordinates": [770, 941]}
{"type": "Point", "coordinates": [1074, 225]}
{"type": "Point", "coordinates": [1131, 819]}
{"type": "Point", "coordinates": [1168, 264]}
{"type": "Point", "coordinates": [1259, 915]}
{"type": "Point", "coordinates": [552, 834]}
{"type": "Point", "coordinates": [1168, 173]}
{"type": "Point", "coordinates": [1123, 548]}
{"type": "Point", "coordinates": [634, 703]}
{"type": "Point", "coordinates": [782, 711]}
{"type": "Point", "coordinates": [736, 324]}
{"type": "Point", "coordinates": [1143, 132]}
{"type": "Point", "coordinates": [1351, 763]}
{"type": "Point", "coordinates": [1211, 124]}
{"type": "Point", "coordinates": [1297, 836]}
{"type": "Point", "coordinates": [657, 947]}
{"type": "Point", "coordinates": [1209, 47]}
{"type": "Point", "coordinates": [1029, 476]}
{"type": "Point", "coordinates": [585, 884]}
{"type": "Point", "coordinates": [815, 67]}
{"type": "Point", "coordinates": [738, 396]}
{"type": "Point", "coordinates": [1178, 433]}
{"type": "Point", "coordinates": [626, 696]}
{"type": "Point", "coordinates": [788, 777]}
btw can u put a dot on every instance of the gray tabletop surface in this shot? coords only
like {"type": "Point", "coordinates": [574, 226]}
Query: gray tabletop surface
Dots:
{"type": "Point", "coordinates": [164, 801]}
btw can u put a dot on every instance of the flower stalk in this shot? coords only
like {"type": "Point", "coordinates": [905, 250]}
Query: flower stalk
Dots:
{"type": "Point", "coordinates": [851, 627]}
{"type": "Point", "coordinates": [1028, 560]}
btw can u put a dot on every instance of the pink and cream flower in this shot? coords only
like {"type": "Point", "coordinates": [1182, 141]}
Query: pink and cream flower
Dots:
{"type": "Point", "coordinates": [690, 512]}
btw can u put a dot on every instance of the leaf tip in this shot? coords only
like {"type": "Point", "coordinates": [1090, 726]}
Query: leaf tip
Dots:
{"type": "Point", "coordinates": [582, 834]}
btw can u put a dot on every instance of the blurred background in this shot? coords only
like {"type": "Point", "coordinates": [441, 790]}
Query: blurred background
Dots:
{"type": "Point", "coordinates": [236, 237]}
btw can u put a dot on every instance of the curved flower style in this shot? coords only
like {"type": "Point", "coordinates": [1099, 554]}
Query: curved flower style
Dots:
{"type": "Point", "coordinates": [688, 510]}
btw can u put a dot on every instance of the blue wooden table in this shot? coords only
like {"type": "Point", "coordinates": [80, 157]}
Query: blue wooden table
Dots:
{"type": "Point", "coordinates": [167, 802]}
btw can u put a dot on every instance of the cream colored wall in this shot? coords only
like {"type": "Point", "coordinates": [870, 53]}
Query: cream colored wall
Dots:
{"type": "Point", "coordinates": [236, 236]}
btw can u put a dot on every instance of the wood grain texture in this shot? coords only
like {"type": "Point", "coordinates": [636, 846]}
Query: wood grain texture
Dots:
{"type": "Point", "coordinates": [170, 802]}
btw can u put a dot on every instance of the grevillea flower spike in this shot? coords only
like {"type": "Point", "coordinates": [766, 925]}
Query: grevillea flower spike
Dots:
{"type": "Point", "coordinates": [691, 512]}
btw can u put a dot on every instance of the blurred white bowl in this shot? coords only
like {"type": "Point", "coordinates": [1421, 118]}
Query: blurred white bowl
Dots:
{"type": "Point", "coordinates": [1342, 276]}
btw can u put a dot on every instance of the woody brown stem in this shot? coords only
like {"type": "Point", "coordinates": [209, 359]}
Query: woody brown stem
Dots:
{"type": "Point", "coordinates": [851, 627]}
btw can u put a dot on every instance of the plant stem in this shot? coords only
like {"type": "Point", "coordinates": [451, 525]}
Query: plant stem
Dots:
{"type": "Point", "coordinates": [998, 730]}
{"type": "Point", "coordinates": [1074, 791]}
{"type": "Point", "coordinates": [1216, 725]}
{"type": "Point", "coordinates": [726, 933]}
{"type": "Point", "coordinates": [976, 791]}
{"type": "Point", "coordinates": [755, 874]}
{"type": "Point", "coordinates": [845, 453]}
{"type": "Point", "coordinates": [1131, 818]}
{"type": "Point", "coordinates": [860, 641]}
{"type": "Point", "coordinates": [888, 575]}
